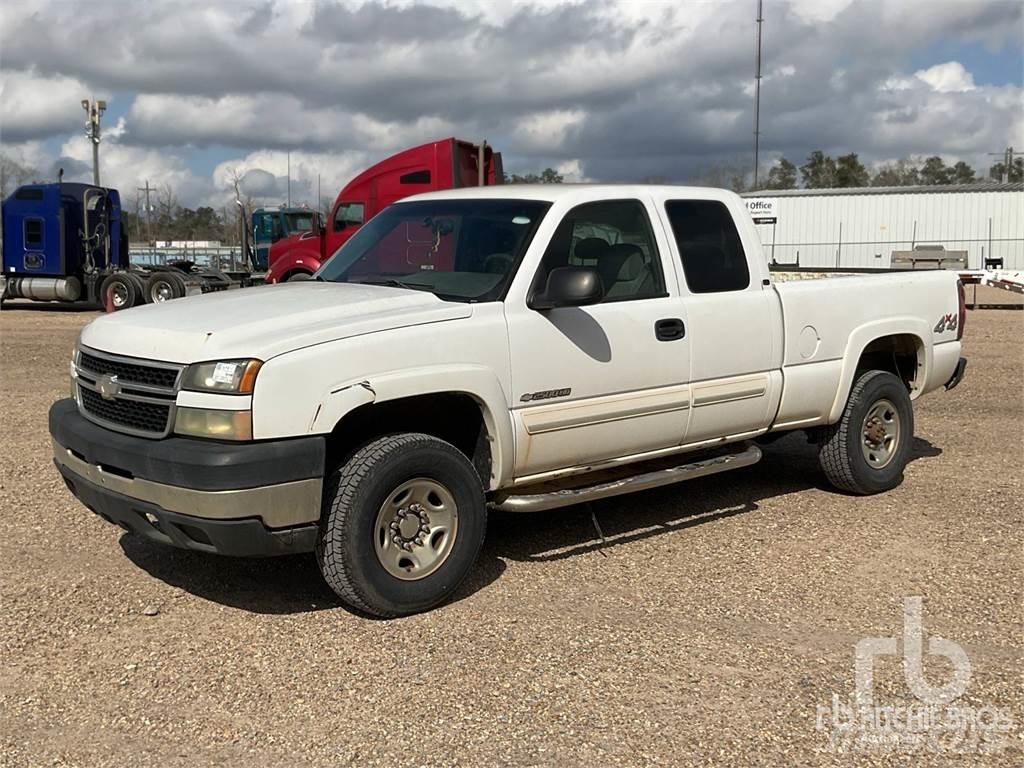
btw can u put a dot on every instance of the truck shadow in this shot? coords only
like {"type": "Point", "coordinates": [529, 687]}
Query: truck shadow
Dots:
{"type": "Point", "coordinates": [273, 585]}
{"type": "Point", "coordinates": [287, 585]}
{"type": "Point", "coordinates": [789, 465]}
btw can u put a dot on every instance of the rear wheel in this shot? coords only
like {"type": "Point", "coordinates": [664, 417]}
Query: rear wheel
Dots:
{"type": "Point", "coordinates": [866, 451]}
{"type": "Point", "coordinates": [120, 291]}
{"type": "Point", "coordinates": [403, 522]}
{"type": "Point", "coordinates": [164, 286]}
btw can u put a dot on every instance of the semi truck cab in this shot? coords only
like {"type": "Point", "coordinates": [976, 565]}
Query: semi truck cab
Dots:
{"type": "Point", "coordinates": [446, 164]}
{"type": "Point", "coordinates": [273, 223]}
{"type": "Point", "coordinates": [61, 241]}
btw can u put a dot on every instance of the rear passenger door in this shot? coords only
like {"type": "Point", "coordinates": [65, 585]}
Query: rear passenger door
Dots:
{"type": "Point", "coordinates": [607, 380]}
{"type": "Point", "coordinates": [732, 322]}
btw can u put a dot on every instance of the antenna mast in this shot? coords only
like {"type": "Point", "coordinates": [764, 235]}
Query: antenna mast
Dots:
{"type": "Point", "coordinates": [757, 92]}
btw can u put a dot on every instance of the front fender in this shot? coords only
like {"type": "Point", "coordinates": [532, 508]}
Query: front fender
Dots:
{"type": "Point", "coordinates": [289, 263]}
{"type": "Point", "coordinates": [478, 382]}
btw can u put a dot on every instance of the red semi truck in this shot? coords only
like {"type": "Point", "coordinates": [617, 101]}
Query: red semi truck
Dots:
{"type": "Point", "coordinates": [444, 164]}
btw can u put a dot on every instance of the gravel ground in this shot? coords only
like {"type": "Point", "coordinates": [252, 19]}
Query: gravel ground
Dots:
{"type": "Point", "coordinates": [708, 629]}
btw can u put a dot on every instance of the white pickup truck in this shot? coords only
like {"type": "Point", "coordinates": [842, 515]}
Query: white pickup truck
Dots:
{"type": "Point", "coordinates": [520, 348]}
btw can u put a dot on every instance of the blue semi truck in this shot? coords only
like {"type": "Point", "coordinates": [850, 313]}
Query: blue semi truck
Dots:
{"type": "Point", "coordinates": [67, 242]}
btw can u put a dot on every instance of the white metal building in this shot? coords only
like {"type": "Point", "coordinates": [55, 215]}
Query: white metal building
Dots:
{"type": "Point", "coordinates": [844, 228]}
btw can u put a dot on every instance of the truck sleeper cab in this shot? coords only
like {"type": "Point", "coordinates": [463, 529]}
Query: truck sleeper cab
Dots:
{"type": "Point", "coordinates": [519, 348]}
{"type": "Point", "coordinates": [61, 241]}
{"type": "Point", "coordinates": [445, 164]}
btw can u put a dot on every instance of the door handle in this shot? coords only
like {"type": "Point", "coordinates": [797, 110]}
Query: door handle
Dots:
{"type": "Point", "coordinates": [669, 329]}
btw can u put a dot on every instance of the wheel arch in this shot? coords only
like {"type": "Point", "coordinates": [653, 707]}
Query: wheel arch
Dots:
{"type": "Point", "coordinates": [465, 406]}
{"type": "Point", "coordinates": [896, 345]}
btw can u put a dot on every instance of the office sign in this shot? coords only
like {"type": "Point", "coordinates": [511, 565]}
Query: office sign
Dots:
{"type": "Point", "coordinates": [763, 210]}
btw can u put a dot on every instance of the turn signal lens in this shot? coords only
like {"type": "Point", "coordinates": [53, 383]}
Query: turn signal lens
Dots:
{"type": "Point", "coordinates": [216, 424]}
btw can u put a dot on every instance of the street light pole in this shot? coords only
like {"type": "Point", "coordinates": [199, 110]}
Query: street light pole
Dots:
{"type": "Point", "coordinates": [94, 111]}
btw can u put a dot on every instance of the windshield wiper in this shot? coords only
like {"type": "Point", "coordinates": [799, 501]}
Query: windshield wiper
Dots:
{"type": "Point", "coordinates": [395, 283]}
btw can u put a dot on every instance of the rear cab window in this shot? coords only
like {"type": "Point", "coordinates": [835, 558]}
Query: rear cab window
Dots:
{"type": "Point", "coordinates": [709, 246]}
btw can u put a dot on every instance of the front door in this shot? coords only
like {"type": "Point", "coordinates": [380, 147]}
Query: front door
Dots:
{"type": "Point", "coordinates": [608, 380]}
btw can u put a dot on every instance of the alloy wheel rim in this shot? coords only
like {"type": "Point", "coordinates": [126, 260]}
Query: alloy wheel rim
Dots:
{"type": "Point", "coordinates": [161, 292]}
{"type": "Point", "coordinates": [118, 295]}
{"type": "Point", "coordinates": [416, 529]}
{"type": "Point", "coordinates": [880, 434]}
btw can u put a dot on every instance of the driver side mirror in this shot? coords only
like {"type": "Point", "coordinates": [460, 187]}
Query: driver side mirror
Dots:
{"type": "Point", "coordinates": [569, 287]}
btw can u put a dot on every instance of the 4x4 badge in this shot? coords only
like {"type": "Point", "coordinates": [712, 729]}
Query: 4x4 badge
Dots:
{"type": "Point", "coordinates": [946, 323]}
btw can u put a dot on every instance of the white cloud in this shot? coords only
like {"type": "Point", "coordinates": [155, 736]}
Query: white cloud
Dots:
{"type": "Point", "coordinates": [615, 89]}
{"type": "Point", "coordinates": [33, 106]}
{"type": "Point", "coordinates": [950, 77]}
{"type": "Point", "coordinates": [332, 170]}
{"type": "Point", "coordinates": [126, 167]}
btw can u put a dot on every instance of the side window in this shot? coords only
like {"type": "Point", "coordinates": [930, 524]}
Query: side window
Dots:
{"type": "Point", "coordinates": [33, 233]}
{"type": "Point", "coordinates": [348, 213]}
{"type": "Point", "coordinates": [415, 177]}
{"type": "Point", "coordinates": [615, 238]}
{"type": "Point", "coordinates": [709, 246]}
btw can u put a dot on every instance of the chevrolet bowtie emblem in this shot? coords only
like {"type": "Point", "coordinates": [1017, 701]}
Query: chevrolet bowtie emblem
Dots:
{"type": "Point", "coordinates": [108, 386]}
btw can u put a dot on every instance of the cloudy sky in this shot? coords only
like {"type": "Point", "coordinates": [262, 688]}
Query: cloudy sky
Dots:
{"type": "Point", "coordinates": [601, 90]}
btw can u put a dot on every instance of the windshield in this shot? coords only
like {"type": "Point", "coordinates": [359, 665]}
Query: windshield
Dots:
{"type": "Point", "coordinates": [460, 250]}
{"type": "Point", "coordinates": [300, 222]}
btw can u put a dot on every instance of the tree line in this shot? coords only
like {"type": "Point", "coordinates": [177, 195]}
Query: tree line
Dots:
{"type": "Point", "coordinates": [822, 171]}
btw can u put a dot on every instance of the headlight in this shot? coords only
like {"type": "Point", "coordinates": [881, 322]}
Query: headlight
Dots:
{"type": "Point", "coordinates": [234, 376]}
{"type": "Point", "coordinates": [220, 425]}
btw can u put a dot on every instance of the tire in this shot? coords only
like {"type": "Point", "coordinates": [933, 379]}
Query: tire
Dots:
{"type": "Point", "coordinates": [140, 286]}
{"type": "Point", "coordinates": [355, 551]}
{"type": "Point", "coordinates": [164, 286]}
{"type": "Point", "coordinates": [120, 291]}
{"type": "Point", "coordinates": [866, 451]}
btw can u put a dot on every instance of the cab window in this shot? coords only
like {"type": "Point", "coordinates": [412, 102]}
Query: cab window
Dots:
{"type": "Point", "coordinates": [615, 238]}
{"type": "Point", "coordinates": [348, 214]}
{"type": "Point", "coordinates": [33, 233]}
{"type": "Point", "coordinates": [709, 246]}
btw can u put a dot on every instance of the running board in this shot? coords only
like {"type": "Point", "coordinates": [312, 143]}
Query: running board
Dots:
{"type": "Point", "coordinates": [538, 502]}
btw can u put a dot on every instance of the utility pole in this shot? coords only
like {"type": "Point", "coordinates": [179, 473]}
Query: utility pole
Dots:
{"type": "Point", "coordinates": [149, 210]}
{"type": "Point", "coordinates": [757, 91]}
{"type": "Point", "coordinates": [289, 178]}
{"type": "Point", "coordinates": [1007, 155]}
{"type": "Point", "coordinates": [94, 111]}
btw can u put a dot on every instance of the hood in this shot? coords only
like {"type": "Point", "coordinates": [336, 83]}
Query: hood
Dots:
{"type": "Point", "coordinates": [264, 321]}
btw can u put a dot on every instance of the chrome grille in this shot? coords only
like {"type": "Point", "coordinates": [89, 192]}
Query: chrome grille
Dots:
{"type": "Point", "coordinates": [139, 397]}
{"type": "Point", "coordinates": [143, 417]}
{"type": "Point", "coordinates": [128, 371]}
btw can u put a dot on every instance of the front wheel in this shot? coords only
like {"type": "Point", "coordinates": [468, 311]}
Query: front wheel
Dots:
{"type": "Point", "coordinates": [866, 451]}
{"type": "Point", "coordinates": [404, 519]}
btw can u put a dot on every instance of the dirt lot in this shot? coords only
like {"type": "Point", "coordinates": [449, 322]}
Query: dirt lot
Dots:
{"type": "Point", "coordinates": [709, 629]}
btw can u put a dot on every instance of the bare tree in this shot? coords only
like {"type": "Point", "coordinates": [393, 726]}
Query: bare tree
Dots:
{"type": "Point", "coordinates": [726, 174]}
{"type": "Point", "coordinates": [13, 174]}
